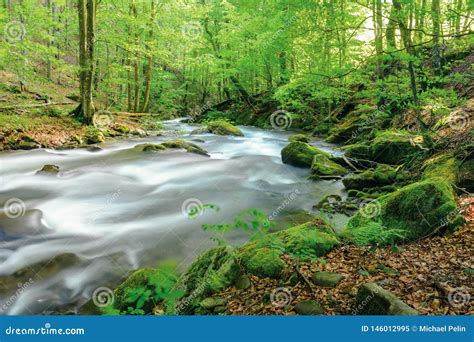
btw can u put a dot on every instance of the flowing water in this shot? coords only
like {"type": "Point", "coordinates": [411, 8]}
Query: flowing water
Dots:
{"type": "Point", "coordinates": [117, 209]}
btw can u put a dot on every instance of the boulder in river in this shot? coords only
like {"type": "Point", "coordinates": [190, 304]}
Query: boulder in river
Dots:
{"type": "Point", "coordinates": [149, 147]}
{"type": "Point", "coordinates": [300, 137]}
{"type": "Point", "coordinates": [300, 154]}
{"type": "Point", "coordinates": [48, 169]}
{"type": "Point", "coordinates": [373, 300]}
{"type": "Point", "coordinates": [181, 144]}
{"type": "Point", "coordinates": [323, 167]}
{"type": "Point", "coordinates": [222, 127]}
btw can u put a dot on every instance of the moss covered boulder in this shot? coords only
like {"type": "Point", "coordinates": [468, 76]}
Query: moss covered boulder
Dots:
{"type": "Point", "coordinates": [181, 144]}
{"type": "Point", "coordinates": [465, 177]}
{"type": "Point", "coordinates": [380, 176]}
{"type": "Point", "coordinates": [94, 136]}
{"type": "Point", "coordinates": [299, 137]}
{"type": "Point", "coordinates": [149, 148]}
{"type": "Point", "coordinates": [263, 262]}
{"type": "Point", "coordinates": [307, 241]}
{"type": "Point", "coordinates": [300, 154]}
{"type": "Point", "coordinates": [443, 165]}
{"type": "Point", "coordinates": [323, 167]}
{"type": "Point", "coordinates": [357, 151]}
{"type": "Point", "coordinates": [221, 127]}
{"type": "Point", "coordinates": [410, 213]}
{"type": "Point", "coordinates": [373, 300]}
{"type": "Point", "coordinates": [211, 272]}
{"type": "Point", "coordinates": [395, 148]}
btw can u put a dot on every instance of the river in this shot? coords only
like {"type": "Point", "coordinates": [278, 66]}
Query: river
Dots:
{"type": "Point", "coordinates": [118, 209]}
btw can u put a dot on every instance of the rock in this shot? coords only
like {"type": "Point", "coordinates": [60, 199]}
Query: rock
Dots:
{"type": "Point", "coordinates": [122, 129]}
{"type": "Point", "coordinates": [465, 177]}
{"type": "Point", "coordinates": [190, 147]}
{"type": "Point", "coordinates": [300, 154]}
{"type": "Point", "coordinates": [94, 136]}
{"type": "Point", "coordinates": [27, 145]}
{"type": "Point", "coordinates": [396, 148]}
{"type": "Point", "coordinates": [323, 167]}
{"type": "Point", "coordinates": [309, 308]}
{"type": "Point", "coordinates": [327, 279]}
{"type": "Point", "coordinates": [94, 149]}
{"type": "Point", "coordinates": [264, 262]}
{"type": "Point", "coordinates": [27, 223]}
{"type": "Point", "coordinates": [221, 127]}
{"type": "Point", "coordinates": [138, 279]}
{"type": "Point", "coordinates": [357, 151]}
{"type": "Point", "coordinates": [310, 240]}
{"type": "Point", "coordinates": [220, 309]}
{"type": "Point", "coordinates": [211, 272]}
{"type": "Point", "coordinates": [410, 213]}
{"type": "Point", "coordinates": [373, 300]}
{"type": "Point", "coordinates": [138, 131]}
{"type": "Point", "coordinates": [198, 131]}
{"type": "Point", "coordinates": [149, 148]}
{"type": "Point", "coordinates": [328, 200]}
{"type": "Point", "coordinates": [299, 137]}
{"type": "Point", "coordinates": [382, 175]}
{"type": "Point", "coordinates": [212, 302]}
{"type": "Point", "coordinates": [243, 282]}
{"type": "Point", "coordinates": [48, 169]}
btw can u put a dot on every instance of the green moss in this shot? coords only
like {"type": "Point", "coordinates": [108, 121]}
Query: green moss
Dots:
{"type": "Point", "coordinates": [396, 147]}
{"type": "Point", "coordinates": [322, 166]}
{"type": "Point", "coordinates": [300, 154]}
{"type": "Point", "coordinates": [149, 148]}
{"type": "Point", "coordinates": [122, 129]}
{"type": "Point", "coordinates": [465, 178]}
{"type": "Point", "coordinates": [444, 165]}
{"type": "Point", "coordinates": [263, 262]}
{"type": "Point", "coordinates": [410, 213]}
{"type": "Point", "coordinates": [299, 137]}
{"type": "Point", "coordinates": [138, 279]}
{"type": "Point", "coordinates": [181, 144]}
{"type": "Point", "coordinates": [94, 136]}
{"type": "Point", "coordinates": [380, 176]}
{"type": "Point", "coordinates": [307, 241]}
{"type": "Point", "coordinates": [222, 127]}
{"type": "Point", "coordinates": [357, 151]}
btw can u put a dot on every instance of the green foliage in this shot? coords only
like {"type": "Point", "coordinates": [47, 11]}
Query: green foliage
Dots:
{"type": "Point", "coordinates": [374, 233]}
{"type": "Point", "coordinates": [145, 289]}
{"type": "Point", "coordinates": [252, 221]}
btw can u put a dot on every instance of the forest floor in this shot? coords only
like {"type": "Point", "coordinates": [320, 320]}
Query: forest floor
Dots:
{"type": "Point", "coordinates": [434, 276]}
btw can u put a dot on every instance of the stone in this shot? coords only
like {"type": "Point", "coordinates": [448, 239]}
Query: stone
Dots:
{"type": "Point", "coordinates": [221, 127]}
{"type": "Point", "coordinates": [49, 169]}
{"type": "Point", "coordinates": [309, 308]}
{"type": "Point", "coordinates": [322, 166]}
{"type": "Point", "coordinates": [299, 137]}
{"type": "Point", "coordinates": [300, 154]}
{"type": "Point", "coordinates": [374, 300]}
{"type": "Point", "coordinates": [212, 302]}
{"type": "Point", "coordinates": [327, 279]}
{"type": "Point", "coordinates": [243, 282]}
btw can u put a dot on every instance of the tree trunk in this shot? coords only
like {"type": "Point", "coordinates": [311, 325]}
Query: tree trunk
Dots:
{"type": "Point", "coordinates": [435, 16]}
{"type": "Point", "coordinates": [391, 28]}
{"type": "Point", "coordinates": [136, 67]}
{"type": "Point", "coordinates": [149, 69]}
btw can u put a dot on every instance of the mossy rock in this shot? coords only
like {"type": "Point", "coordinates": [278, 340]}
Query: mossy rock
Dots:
{"type": "Point", "coordinates": [221, 127]}
{"type": "Point", "coordinates": [327, 279]}
{"type": "Point", "coordinates": [410, 213]}
{"type": "Point", "coordinates": [345, 130]}
{"type": "Point", "coordinates": [465, 177]}
{"type": "Point", "coordinates": [94, 136]}
{"type": "Point", "coordinates": [307, 241]}
{"type": "Point", "coordinates": [445, 165]}
{"type": "Point", "coordinates": [263, 262]}
{"type": "Point", "coordinates": [299, 137]}
{"type": "Point", "coordinates": [373, 300]}
{"type": "Point", "coordinates": [357, 151]}
{"type": "Point", "coordinates": [213, 271]}
{"type": "Point", "coordinates": [380, 176]}
{"type": "Point", "coordinates": [122, 129]}
{"type": "Point", "coordinates": [309, 308]}
{"type": "Point", "coordinates": [181, 144]}
{"type": "Point", "coordinates": [300, 154]}
{"type": "Point", "coordinates": [396, 148]}
{"type": "Point", "coordinates": [138, 279]}
{"type": "Point", "coordinates": [48, 169]}
{"type": "Point", "coordinates": [322, 166]}
{"type": "Point", "coordinates": [149, 148]}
